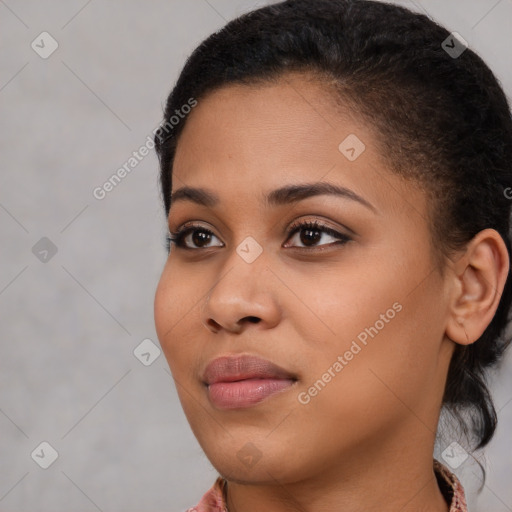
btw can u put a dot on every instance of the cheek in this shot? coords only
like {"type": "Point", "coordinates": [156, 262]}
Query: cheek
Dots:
{"type": "Point", "coordinates": [175, 312]}
{"type": "Point", "coordinates": [163, 308]}
{"type": "Point", "coordinates": [384, 325]}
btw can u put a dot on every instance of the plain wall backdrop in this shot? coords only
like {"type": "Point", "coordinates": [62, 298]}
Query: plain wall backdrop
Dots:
{"type": "Point", "coordinates": [78, 273]}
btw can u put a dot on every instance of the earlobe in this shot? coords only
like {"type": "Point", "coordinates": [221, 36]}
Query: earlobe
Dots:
{"type": "Point", "coordinates": [459, 333]}
{"type": "Point", "coordinates": [479, 278]}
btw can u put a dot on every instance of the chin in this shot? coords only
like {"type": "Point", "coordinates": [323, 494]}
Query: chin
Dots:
{"type": "Point", "coordinates": [251, 459]}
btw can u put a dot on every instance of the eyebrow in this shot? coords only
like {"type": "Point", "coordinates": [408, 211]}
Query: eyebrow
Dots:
{"type": "Point", "coordinates": [278, 197]}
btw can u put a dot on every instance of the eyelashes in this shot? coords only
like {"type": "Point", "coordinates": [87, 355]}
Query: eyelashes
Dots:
{"type": "Point", "coordinates": [179, 237]}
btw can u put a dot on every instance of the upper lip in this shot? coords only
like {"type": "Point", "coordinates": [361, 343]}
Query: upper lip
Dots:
{"type": "Point", "coordinates": [241, 367]}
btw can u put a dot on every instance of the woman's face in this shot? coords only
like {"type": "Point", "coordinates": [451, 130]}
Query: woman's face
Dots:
{"type": "Point", "coordinates": [354, 316]}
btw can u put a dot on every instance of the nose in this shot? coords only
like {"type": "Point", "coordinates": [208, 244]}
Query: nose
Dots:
{"type": "Point", "coordinates": [236, 327]}
{"type": "Point", "coordinates": [245, 294]}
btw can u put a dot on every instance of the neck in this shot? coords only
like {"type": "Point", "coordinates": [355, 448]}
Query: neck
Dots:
{"type": "Point", "coordinates": [398, 478]}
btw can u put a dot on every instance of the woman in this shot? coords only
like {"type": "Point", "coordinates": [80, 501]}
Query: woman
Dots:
{"type": "Point", "coordinates": [335, 176]}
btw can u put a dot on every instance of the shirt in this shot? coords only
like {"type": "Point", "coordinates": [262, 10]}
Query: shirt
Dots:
{"type": "Point", "coordinates": [215, 499]}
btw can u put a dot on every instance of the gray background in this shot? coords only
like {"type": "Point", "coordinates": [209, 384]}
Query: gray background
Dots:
{"type": "Point", "coordinates": [69, 325]}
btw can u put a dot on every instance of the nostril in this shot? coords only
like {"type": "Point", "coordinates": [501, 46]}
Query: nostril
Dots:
{"type": "Point", "coordinates": [253, 319]}
{"type": "Point", "coordinates": [213, 324]}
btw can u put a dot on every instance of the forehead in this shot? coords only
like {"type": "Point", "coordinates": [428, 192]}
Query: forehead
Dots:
{"type": "Point", "coordinates": [290, 115]}
{"type": "Point", "coordinates": [260, 137]}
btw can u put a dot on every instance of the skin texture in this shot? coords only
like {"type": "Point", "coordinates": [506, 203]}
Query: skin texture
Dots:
{"type": "Point", "coordinates": [373, 426]}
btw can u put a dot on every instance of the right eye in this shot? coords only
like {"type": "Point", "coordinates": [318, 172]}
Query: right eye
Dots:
{"type": "Point", "coordinates": [191, 234]}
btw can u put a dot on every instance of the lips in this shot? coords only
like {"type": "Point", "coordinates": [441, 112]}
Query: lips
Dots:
{"type": "Point", "coordinates": [243, 367]}
{"type": "Point", "coordinates": [235, 382]}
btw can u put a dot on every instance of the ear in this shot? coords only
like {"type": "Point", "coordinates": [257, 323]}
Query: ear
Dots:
{"type": "Point", "coordinates": [479, 277]}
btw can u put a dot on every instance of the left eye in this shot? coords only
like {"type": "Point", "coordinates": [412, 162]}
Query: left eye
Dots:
{"type": "Point", "coordinates": [310, 233]}
{"type": "Point", "coordinates": [306, 233]}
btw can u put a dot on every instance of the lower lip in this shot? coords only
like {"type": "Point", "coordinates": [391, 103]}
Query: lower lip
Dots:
{"type": "Point", "coordinates": [245, 393]}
